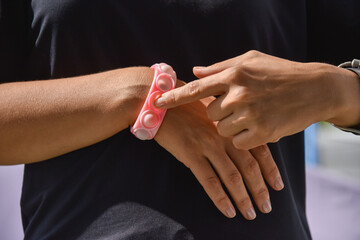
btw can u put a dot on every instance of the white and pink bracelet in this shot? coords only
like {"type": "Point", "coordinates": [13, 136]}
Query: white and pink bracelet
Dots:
{"type": "Point", "coordinates": [150, 117]}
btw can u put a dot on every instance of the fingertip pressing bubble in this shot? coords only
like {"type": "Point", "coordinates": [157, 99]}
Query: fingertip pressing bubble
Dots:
{"type": "Point", "coordinates": [152, 99]}
{"type": "Point", "coordinates": [150, 117]}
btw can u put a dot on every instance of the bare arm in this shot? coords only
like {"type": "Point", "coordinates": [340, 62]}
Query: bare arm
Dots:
{"type": "Point", "coordinates": [44, 119]}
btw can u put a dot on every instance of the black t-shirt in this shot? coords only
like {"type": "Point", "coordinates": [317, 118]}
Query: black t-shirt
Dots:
{"type": "Point", "coordinates": [64, 196]}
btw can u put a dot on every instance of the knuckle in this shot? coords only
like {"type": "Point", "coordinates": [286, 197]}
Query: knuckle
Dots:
{"type": "Point", "coordinates": [239, 93]}
{"type": "Point", "coordinates": [252, 166]}
{"type": "Point", "coordinates": [222, 199]}
{"type": "Point", "coordinates": [262, 192]}
{"type": "Point", "coordinates": [233, 101]}
{"type": "Point", "coordinates": [234, 178]}
{"type": "Point", "coordinates": [194, 88]}
{"type": "Point", "coordinates": [232, 73]}
{"type": "Point", "coordinates": [222, 132]}
{"type": "Point", "coordinates": [212, 182]}
{"type": "Point", "coordinates": [222, 129]}
{"type": "Point", "coordinates": [252, 53]}
{"type": "Point", "coordinates": [262, 151]}
{"type": "Point", "coordinates": [171, 98]}
{"type": "Point", "coordinates": [246, 143]}
{"type": "Point", "coordinates": [238, 144]}
{"type": "Point", "coordinates": [237, 96]}
{"type": "Point", "coordinates": [243, 202]}
{"type": "Point", "coordinates": [244, 67]}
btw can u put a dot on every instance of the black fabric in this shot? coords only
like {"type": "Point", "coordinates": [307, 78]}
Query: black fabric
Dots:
{"type": "Point", "coordinates": [12, 44]}
{"type": "Point", "coordinates": [44, 39]}
{"type": "Point", "coordinates": [333, 30]}
{"type": "Point", "coordinates": [137, 222]}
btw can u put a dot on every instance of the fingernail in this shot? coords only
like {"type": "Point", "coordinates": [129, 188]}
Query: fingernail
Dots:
{"type": "Point", "coordinates": [251, 213]}
{"type": "Point", "coordinates": [279, 184]}
{"type": "Point", "coordinates": [230, 211]}
{"type": "Point", "coordinates": [160, 102]}
{"type": "Point", "coordinates": [267, 206]}
{"type": "Point", "coordinates": [199, 68]}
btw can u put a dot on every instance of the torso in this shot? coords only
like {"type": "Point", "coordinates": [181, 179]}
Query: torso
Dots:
{"type": "Point", "coordinates": [63, 196]}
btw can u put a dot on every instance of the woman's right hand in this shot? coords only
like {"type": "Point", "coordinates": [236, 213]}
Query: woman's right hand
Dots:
{"type": "Point", "coordinates": [192, 138]}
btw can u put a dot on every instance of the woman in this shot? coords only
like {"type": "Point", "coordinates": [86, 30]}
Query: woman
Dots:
{"type": "Point", "coordinates": [91, 169]}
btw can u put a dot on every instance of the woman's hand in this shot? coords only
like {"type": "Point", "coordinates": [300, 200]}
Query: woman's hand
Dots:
{"type": "Point", "coordinates": [264, 98]}
{"type": "Point", "coordinates": [191, 137]}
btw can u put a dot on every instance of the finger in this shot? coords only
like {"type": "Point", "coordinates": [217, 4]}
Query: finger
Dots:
{"type": "Point", "coordinates": [232, 179]}
{"type": "Point", "coordinates": [218, 109]}
{"type": "Point", "coordinates": [195, 90]}
{"type": "Point", "coordinates": [250, 170]}
{"type": "Point", "coordinates": [268, 167]}
{"type": "Point", "coordinates": [212, 186]}
{"type": "Point", "coordinates": [202, 72]}
{"type": "Point", "coordinates": [233, 125]}
{"type": "Point", "coordinates": [246, 140]}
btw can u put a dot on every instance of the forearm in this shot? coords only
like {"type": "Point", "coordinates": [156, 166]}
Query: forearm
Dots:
{"type": "Point", "coordinates": [43, 119]}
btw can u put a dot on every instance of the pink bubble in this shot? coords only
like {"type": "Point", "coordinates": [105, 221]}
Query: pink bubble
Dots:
{"type": "Point", "coordinates": [142, 134]}
{"type": "Point", "coordinates": [150, 119]}
{"type": "Point", "coordinates": [164, 83]}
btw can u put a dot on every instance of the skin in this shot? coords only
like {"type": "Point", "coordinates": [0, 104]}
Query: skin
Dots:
{"type": "Point", "coordinates": [264, 98]}
{"type": "Point", "coordinates": [44, 119]}
{"type": "Point", "coordinates": [213, 159]}
{"type": "Point", "coordinates": [40, 120]}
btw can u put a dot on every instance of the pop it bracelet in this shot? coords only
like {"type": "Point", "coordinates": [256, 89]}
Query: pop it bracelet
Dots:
{"type": "Point", "coordinates": [150, 117]}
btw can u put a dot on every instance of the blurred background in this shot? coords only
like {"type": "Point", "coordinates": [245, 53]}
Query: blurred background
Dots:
{"type": "Point", "coordinates": [333, 182]}
{"type": "Point", "coordinates": [333, 187]}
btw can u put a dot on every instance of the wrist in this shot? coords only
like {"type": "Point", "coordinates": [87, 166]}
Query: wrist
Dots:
{"type": "Point", "coordinates": [347, 85]}
{"type": "Point", "coordinates": [126, 92]}
{"type": "Point", "coordinates": [138, 92]}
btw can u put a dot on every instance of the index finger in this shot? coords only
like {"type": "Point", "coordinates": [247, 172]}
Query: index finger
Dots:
{"type": "Point", "coordinates": [191, 92]}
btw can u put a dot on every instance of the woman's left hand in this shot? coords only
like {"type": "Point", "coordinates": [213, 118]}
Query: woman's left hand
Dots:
{"type": "Point", "coordinates": [192, 138]}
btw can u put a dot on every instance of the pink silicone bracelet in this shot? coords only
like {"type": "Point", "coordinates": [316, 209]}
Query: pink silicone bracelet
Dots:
{"type": "Point", "coordinates": [150, 117]}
